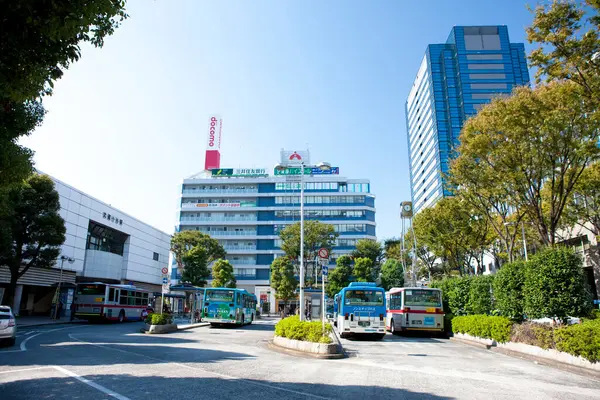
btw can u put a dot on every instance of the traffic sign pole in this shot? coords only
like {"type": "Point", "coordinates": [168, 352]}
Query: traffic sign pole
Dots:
{"type": "Point", "coordinates": [323, 306]}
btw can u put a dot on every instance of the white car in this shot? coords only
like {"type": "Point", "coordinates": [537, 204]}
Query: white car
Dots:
{"type": "Point", "coordinates": [8, 325]}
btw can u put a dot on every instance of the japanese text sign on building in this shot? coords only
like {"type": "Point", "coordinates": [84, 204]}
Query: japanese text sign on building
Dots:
{"type": "Point", "coordinates": [239, 172]}
{"type": "Point", "coordinates": [307, 171]}
{"type": "Point", "coordinates": [112, 218]}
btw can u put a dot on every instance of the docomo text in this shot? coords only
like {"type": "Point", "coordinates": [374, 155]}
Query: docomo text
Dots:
{"type": "Point", "coordinates": [211, 132]}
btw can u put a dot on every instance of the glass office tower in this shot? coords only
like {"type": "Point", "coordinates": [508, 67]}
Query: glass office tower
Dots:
{"type": "Point", "coordinates": [453, 82]}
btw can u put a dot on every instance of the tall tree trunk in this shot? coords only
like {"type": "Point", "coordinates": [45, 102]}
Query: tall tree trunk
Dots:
{"type": "Point", "coordinates": [10, 292]}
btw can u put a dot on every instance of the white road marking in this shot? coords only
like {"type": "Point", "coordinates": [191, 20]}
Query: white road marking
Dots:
{"type": "Point", "coordinates": [25, 369]}
{"type": "Point", "coordinates": [231, 377]}
{"type": "Point", "coordinates": [92, 384]}
{"type": "Point", "coordinates": [22, 346]}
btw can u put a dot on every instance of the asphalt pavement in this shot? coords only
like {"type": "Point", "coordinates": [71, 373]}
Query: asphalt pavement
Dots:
{"type": "Point", "coordinates": [117, 361]}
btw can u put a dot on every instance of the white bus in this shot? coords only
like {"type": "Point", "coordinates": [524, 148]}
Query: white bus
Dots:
{"type": "Point", "coordinates": [104, 301]}
{"type": "Point", "coordinates": [414, 309]}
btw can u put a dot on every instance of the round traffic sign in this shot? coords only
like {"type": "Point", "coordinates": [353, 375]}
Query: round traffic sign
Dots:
{"type": "Point", "coordinates": [165, 270]}
{"type": "Point", "coordinates": [323, 252]}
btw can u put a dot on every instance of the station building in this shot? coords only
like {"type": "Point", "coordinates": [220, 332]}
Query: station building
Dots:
{"type": "Point", "coordinates": [103, 244]}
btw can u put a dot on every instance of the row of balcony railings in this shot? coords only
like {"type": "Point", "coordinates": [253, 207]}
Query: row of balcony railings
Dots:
{"type": "Point", "coordinates": [231, 233]}
{"type": "Point", "coordinates": [218, 219]}
{"type": "Point", "coordinates": [228, 190]}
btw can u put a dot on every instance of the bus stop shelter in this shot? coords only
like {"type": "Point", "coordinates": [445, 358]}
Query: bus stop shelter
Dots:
{"type": "Point", "coordinates": [190, 309]}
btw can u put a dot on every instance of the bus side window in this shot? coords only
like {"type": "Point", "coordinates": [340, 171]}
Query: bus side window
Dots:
{"type": "Point", "coordinates": [123, 298]}
{"type": "Point", "coordinates": [111, 294]}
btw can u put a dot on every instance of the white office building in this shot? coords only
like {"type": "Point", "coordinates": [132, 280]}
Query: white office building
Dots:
{"type": "Point", "coordinates": [103, 244]}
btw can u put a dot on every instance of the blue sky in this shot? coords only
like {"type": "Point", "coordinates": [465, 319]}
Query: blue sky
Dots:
{"type": "Point", "coordinates": [129, 121]}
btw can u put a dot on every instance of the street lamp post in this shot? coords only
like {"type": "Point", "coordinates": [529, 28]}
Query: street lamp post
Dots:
{"type": "Point", "coordinates": [302, 307]}
{"type": "Point", "coordinates": [323, 166]}
{"type": "Point", "coordinates": [62, 261]}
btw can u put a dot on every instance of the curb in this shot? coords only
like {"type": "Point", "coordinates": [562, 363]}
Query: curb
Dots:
{"type": "Point", "coordinates": [471, 343]}
{"type": "Point", "coordinates": [200, 325]}
{"type": "Point", "coordinates": [280, 349]}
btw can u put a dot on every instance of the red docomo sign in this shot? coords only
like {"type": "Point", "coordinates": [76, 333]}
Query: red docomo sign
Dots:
{"type": "Point", "coordinates": [214, 132]}
{"type": "Point", "coordinates": [211, 132]}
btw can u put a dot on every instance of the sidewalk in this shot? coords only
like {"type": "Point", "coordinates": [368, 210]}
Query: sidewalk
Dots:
{"type": "Point", "coordinates": [26, 321]}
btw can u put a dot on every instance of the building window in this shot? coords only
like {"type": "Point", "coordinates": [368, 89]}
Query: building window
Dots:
{"type": "Point", "coordinates": [155, 256]}
{"type": "Point", "coordinates": [487, 76]}
{"type": "Point", "coordinates": [488, 86]}
{"type": "Point", "coordinates": [486, 66]}
{"type": "Point", "coordinates": [483, 96]}
{"type": "Point", "coordinates": [484, 56]}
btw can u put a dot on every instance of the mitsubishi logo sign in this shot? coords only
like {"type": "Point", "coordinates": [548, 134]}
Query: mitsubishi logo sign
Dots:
{"type": "Point", "coordinates": [295, 157]}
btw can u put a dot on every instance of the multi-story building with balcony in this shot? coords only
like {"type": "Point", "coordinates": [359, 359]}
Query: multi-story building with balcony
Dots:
{"type": "Point", "coordinates": [246, 209]}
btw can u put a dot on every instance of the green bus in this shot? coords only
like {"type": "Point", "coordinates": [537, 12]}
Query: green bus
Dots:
{"type": "Point", "coordinates": [229, 306]}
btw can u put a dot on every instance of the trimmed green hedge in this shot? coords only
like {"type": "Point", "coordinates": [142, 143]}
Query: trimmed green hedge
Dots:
{"type": "Point", "coordinates": [555, 286]}
{"type": "Point", "coordinates": [580, 340]}
{"type": "Point", "coordinates": [483, 326]}
{"type": "Point", "coordinates": [293, 328]}
{"type": "Point", "coordinates": [508, 290]}
{"type": "Point", "coordinates": [159, 319]}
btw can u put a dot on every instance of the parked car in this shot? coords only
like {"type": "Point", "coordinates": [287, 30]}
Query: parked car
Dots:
{"type": "Point", "coordinates": [8, 325]}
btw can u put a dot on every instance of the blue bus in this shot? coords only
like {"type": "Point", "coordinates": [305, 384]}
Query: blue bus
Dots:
{"type": "Point", "coordinates": [361, 310]}
{"type": "Point", "coordinates": [229, 306]}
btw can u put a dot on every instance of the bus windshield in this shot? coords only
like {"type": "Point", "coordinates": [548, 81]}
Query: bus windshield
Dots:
{"type": "Point", "coordinates": [422, 297]}
{"type": "Point", "coordinates": [363, 298]}
{"type": "Point", "coordinates": [91, 289]}
{"type": "Point", "coordinates": [219, 295]}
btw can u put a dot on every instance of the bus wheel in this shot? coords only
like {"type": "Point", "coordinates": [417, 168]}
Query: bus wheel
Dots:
{"type": "Point", "coordinates": [243, 320]}
{"type": "Point", "coordinates": [251, 318]}
{"type": "Point", "coordinates": [122, 316]}
{"type": "Point", "coordinates": [392, 329]}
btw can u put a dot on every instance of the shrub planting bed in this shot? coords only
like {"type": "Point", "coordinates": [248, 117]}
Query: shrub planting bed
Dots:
{"type": "Point", "coordinates": [293, 328]}
{"type": "Point", "coordinates": [581, 340]}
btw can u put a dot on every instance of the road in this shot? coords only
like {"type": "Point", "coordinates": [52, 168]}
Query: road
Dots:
{"type": "Point", "coordinates": [116, 361]}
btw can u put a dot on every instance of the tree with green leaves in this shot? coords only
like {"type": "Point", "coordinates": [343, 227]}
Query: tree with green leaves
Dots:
{"type": "Point", "coordinates": [31, 229]}
{"type": "Point", "coordinates": [283, 280]}
{"type": "Point", "coordinates": [363, 269]}
{"type": "Point", "coordinates": [371, 249]}
{"type": "Point", "coordinates": [222, 274]}
{"type": "Point", "coordinates": [532, 147]}
{"type": "Point", "coordinates": [368, 248]}
{"type": "Point", "coordinates": [339, 277]}
{"type": "Point", "coordinates": [584, 209]}
{"type": "Point", "coordinates": [392, 274]}
{"type": "Point", "coordinates": [316, 235]}
{"type": "Point", "coordinates": [392, 248]}
{"type": "Point", "coordinates": [451, 232]}
{"type": "Point", "coordinates": [194, 251]}
{"type": "Point", "coordinates": [567, 34]}
{"type": "Point", "coordinates": [39, 39]}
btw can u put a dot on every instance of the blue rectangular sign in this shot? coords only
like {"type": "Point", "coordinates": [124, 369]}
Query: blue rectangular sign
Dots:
{"type": "Point", "coordinates": [325, 270]}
